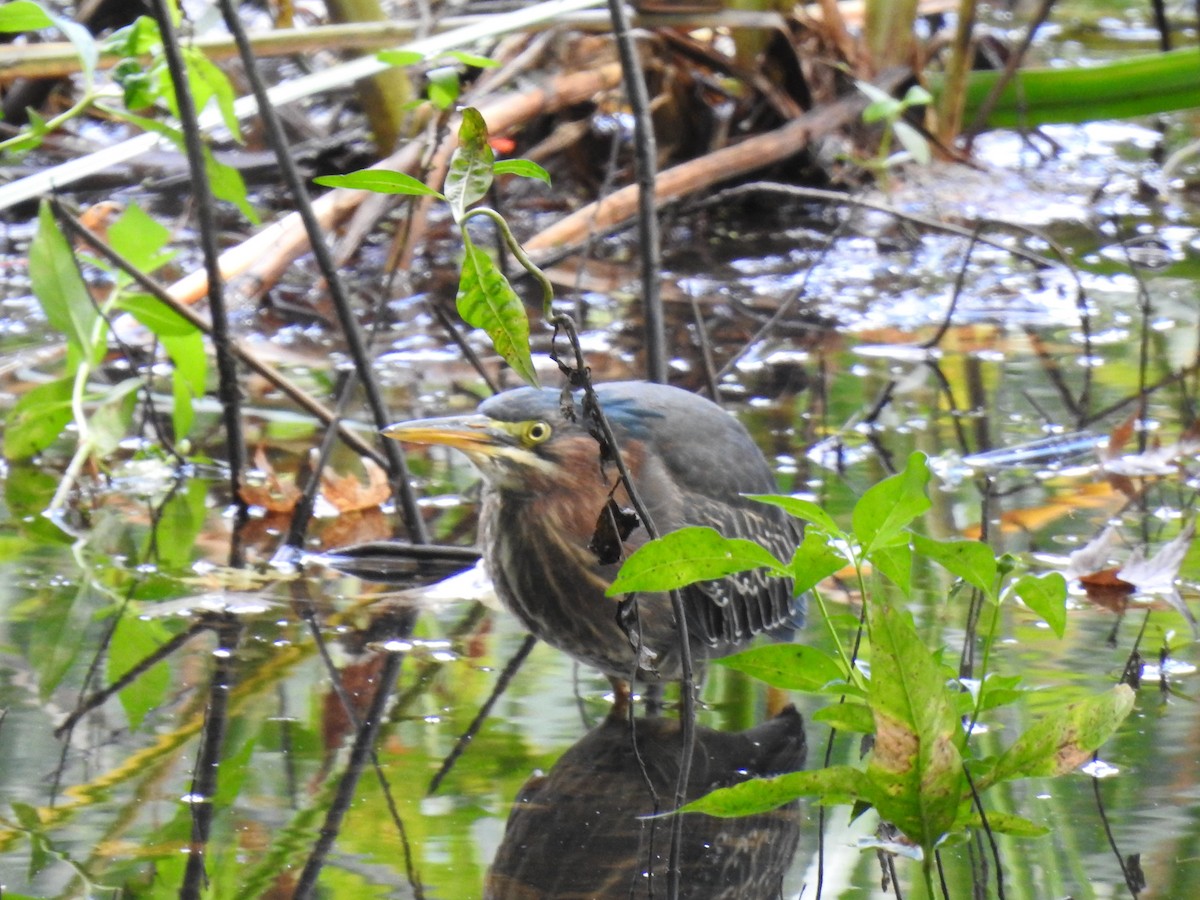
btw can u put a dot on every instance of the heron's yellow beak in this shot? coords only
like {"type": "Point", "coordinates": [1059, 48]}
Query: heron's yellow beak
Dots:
{"type": "Point", "coordinates": [476, 435]}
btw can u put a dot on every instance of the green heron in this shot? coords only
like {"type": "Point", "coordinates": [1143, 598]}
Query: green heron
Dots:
{"type": "Point", "coordinates": [546, 488]}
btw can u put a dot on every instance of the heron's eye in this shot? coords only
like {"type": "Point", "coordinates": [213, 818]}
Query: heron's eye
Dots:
{"type": "Point", "coordinates": [536, 433]}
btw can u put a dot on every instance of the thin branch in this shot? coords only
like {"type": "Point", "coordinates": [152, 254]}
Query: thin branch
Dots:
{"type": "Point", "coordinates": [646, 155]}
{"type": "Point", "coordinates": [356, 346]}
{"type": "Point", "coordinates": [227, 386]}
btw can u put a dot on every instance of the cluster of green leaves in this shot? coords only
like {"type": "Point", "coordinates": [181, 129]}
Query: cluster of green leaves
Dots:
{"type": "Point", "coordinates": [102, 414]}
{"type": "Point", "coordinates": [143, 82]}
{"type": "Point", "coordinates": [486, 299]}
{"type": "Point", "coordinates": [914, 705]}
{"type": "Point", "coordinates": [443, 84]}
{"type": "Point", "coordinates": [891, 112]}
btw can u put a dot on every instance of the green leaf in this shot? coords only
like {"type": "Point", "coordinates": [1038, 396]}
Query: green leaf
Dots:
{"type": "Point", "coordinates": [917, 96]}
{"type": "Point", "coordinates": [470, 174]}
{"type": "Point", "coordinates": [228, 185]}
{"type": "Point", "coordinates": [853, 717]}
{"type": "Point", "coordinates": [187, 355]}
{"type": "Point", "coordinates": [59, 287]}
{"type": "Point", "coordinates": [880, 110]}
{"type": "Point", "coordinates": [188, 378]}
{"type": "Point", "coordinates": [444, 87]}
{"type": "Point", "coordinates": [59, 635]}
{"type": "Point", "coordinates": [835, 784]}
{"type": "Point", "coordinates": [140, 38]}
{"type": "Point", "coordinates": [792, 667]}
{"type": "Point", "coordinates": [140, 239]}
{"type": "Point", "coordinates": [997, 690]}
{"type": "Point", "coordinates": [972, 561]}
{"type": "Point", "coordinates": [875, 94]}
{"type": "Point", "coordinates": [85, 45]}
{"type": "Point", "coordinates": [486, 300]}
{"type": "Point", "coordinates": [885, 510]}
{"type": "Point", "coordinates": [1140, 85]}
{"type": "Point", "coordinates": [526, 168]}
{"type": "Point", "coordinates": [683, 557]}
{"type": "Point", "coordinates": [381, 181]}
{"type": "Point", "coordinates": [400, 57]}
{"type": "Point", "coordinates": [179, 525]}
{"type": "Point", "coordinates": [1065, 739]}
{"type": "Point", "coordinates": [183, 410]}
{"type": "Point", "coordinates": [913, 141]}
{"type": "Point", "coordinates": [1046, 595]}
{"type": "Point", "coordinates": [38, 418]}
{"type": "Point", "coordinates": [472, 59]}
{"type": "Point", "coordinates": [801, 509]}
{"type": "Point", "coordinates": [895, 563]}
{"type": "Point", "coordinates": [916, 766]}
{"type": "Point", "coordinates": [23, 15]}
{"type": "Point", "coordinates": [813, 561]}
{"type": "Point", "coordinates": [155, 315]}
{"type": "Point", "coordinates": [208, 82]}
{"type": "Point", "coordinates": [113, 418]}
{"type": "Point", "coordinates": [132, 641]}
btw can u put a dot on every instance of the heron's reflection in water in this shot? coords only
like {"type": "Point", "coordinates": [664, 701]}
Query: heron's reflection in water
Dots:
{"type": "Point", "coordinates": [577, 832]}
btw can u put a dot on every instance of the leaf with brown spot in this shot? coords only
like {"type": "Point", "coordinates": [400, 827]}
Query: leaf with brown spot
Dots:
{"type": "Point", "coordinates": [1063, 740]}
{"type": "Point", "coordinates": [915, 772]}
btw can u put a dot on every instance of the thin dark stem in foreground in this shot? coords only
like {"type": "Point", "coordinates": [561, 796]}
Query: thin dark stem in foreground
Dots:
{"type": "Point", "coordinates": [208, 757]}
{"type": "Point", "coordinates": [227, 387]}
{"type": "Point", "coordinates": [646, 152]}
{"type": "Point", "coordinates": [355, 344]}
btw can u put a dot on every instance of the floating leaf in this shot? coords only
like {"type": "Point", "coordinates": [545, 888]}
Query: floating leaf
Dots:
{"type": "Point", "coordinates": [486, 300]}
{"type": "Point", "coordinates": [381, 181]}
{"type": "Point", "coordinates": [686, 556]}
